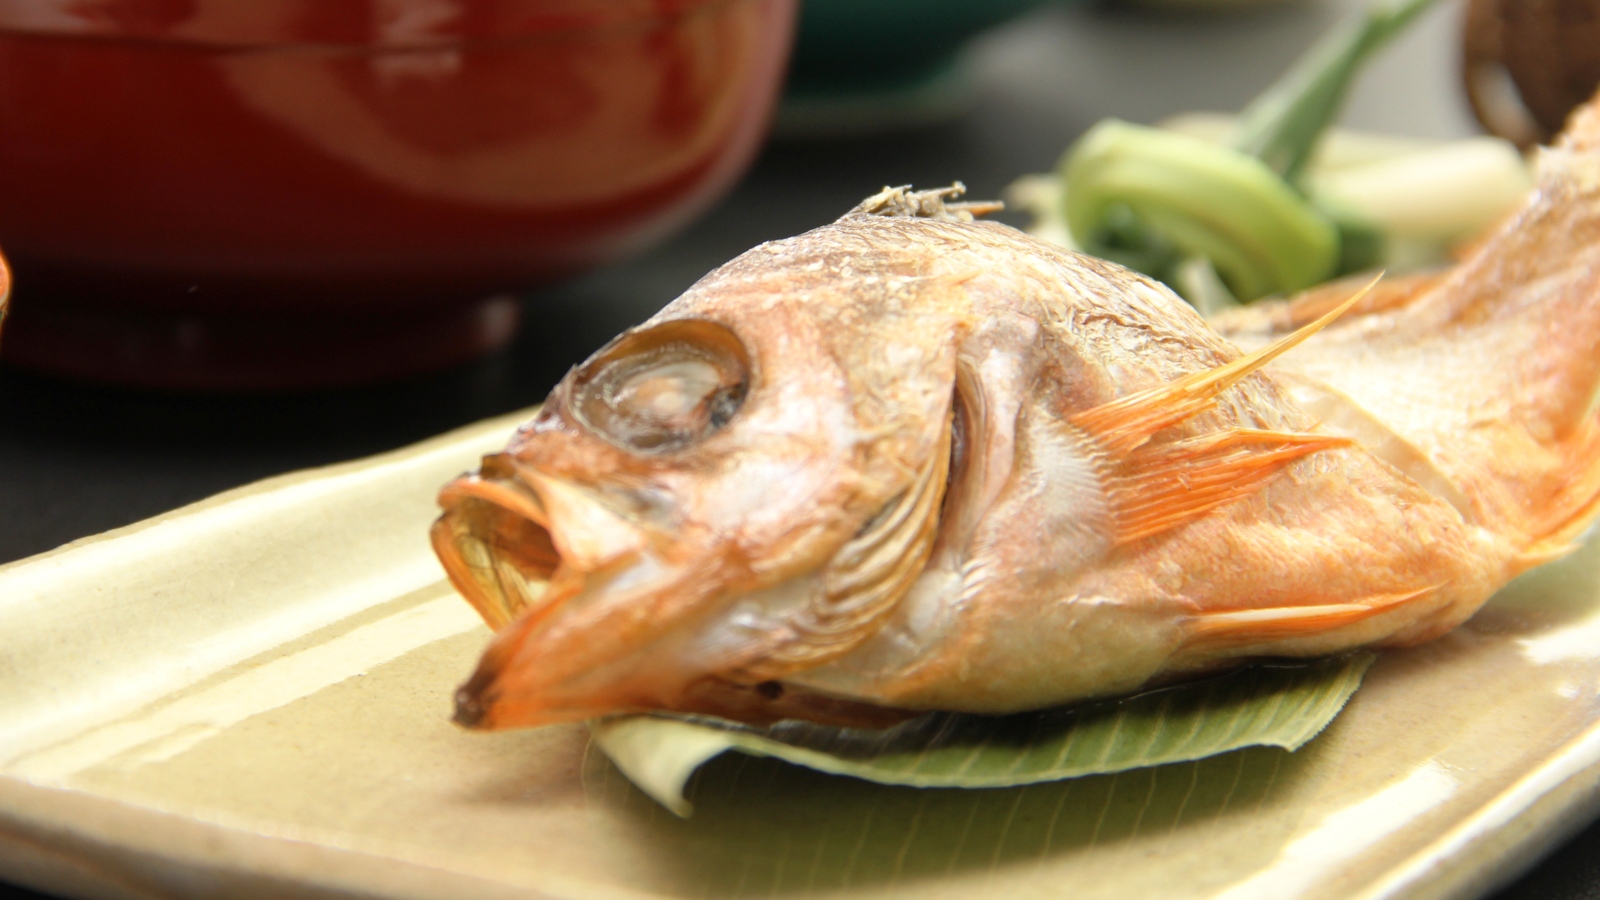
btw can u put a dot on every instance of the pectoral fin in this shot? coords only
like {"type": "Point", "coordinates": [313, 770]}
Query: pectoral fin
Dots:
{"type": "Point", "coordinates": [1156, 487]}
{"type": "Point", "coordinates": [1159, 488]}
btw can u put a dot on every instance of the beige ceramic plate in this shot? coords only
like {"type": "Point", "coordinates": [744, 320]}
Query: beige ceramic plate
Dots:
{"type": "Point", "coordinates": [251, 697]}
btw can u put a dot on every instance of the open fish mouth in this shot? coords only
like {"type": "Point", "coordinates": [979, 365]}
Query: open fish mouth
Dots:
{"type": "Point", "coordinates": [541, 559]}
{"type": "Point", "coordinates": [548, 565]}
{"type": "Point", "coordinates": [495, 543]}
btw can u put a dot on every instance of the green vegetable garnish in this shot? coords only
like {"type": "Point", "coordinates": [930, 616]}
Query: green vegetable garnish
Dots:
{"type": "Point", "coordinates": [1150, 199]}
{"type": "Point", "coordinates": [1158, 201]}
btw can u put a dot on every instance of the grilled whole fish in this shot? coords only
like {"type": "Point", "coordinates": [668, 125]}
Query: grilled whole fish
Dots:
{"type": "Point", "coordinates": [912, 461]}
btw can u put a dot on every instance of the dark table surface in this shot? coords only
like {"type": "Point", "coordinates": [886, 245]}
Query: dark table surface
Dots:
{"type": "Point", "coordinates": [76, 460]}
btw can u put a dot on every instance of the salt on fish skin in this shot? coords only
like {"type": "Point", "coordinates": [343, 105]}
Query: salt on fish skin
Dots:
{"type": "Point", "coordinates": [911, 461]}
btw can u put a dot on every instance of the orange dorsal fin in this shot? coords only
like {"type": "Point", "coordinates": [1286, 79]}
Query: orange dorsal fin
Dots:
{"type": "Point", "coordinates": [1128, 422]}
{"type": "Point", "coordinates": [1153, 488]}
{"type": "Point", "coordinates": [1218, 630]}
{"type": "Point", "coordinates": [1258, 323]}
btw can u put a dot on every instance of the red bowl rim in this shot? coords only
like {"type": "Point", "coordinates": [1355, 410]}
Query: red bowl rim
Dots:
{"type": "Point", "coordinates": [364, 24]}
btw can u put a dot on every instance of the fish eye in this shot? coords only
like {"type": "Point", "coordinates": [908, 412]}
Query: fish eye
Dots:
{"type": "Point", "coordinates": [662, 388]}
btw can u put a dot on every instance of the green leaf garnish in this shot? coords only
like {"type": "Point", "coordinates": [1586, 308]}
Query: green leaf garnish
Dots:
{"type": "Point", "coordinates": [1263, 705]}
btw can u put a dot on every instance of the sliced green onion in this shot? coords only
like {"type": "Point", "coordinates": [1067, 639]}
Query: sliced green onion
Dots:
{"type": "Point", "coordinates": [1260, 234]}
{"type": "Point", "coordinates": [1282, 125]}
{"type": "Point", "coordinates": [1197, 281]}
{"type": "Point", "coordinates": [1154, 199]}
{"type": "Point", "coordinates": [1440, 194]}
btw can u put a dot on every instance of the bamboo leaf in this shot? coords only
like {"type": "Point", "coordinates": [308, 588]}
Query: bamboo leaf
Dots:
{"type": "Point", "coordinates": [1264, 705]}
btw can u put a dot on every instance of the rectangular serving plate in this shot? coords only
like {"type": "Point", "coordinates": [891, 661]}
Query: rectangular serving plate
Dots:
{"type": "Point", "coordinates": [250, 697]}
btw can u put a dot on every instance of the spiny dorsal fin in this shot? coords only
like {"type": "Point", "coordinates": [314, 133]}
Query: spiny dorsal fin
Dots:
{"type": "Point", "coordinates": [903, 201]}
{"type": "Point", "coordinates": [1261, 322]}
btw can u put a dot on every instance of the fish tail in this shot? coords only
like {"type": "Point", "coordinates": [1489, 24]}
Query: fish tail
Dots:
{"type": "Point", "coordinates": [1539, 288]}
{"type": "Point", "coordinates": [1583, 503]}
{"type": "Point", "coordinates": [1522, 319]}
{"type": "Point", "coordinates": [1568, 411]}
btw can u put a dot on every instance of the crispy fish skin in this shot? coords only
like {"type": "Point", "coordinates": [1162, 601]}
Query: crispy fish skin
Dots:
{"type": "Point", "coordinates": [911, 461]}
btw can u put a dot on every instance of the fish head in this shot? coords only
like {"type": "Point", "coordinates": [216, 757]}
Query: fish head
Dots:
{"type": "Point", "coordinates": [738, 487]}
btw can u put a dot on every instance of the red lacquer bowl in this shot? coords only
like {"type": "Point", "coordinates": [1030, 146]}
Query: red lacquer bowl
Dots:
{"type": "Point", "coordinates": [245, 194]}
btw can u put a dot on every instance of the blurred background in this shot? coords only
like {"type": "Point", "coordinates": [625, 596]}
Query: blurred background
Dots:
{"type": "Point", "coordinates": [92, 442]}
{"type": "Point", "coordinates": [146, 409]}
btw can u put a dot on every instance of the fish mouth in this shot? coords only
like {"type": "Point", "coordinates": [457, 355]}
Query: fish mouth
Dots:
{"type": "Point", "coordinates": [551, 568]}
{"type": "Point", "coordinates": [560, 581]}
{"type": "Point", "coordinates": [495, 544]}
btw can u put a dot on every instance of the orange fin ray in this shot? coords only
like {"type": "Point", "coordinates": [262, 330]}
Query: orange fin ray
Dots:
{"type": "Point", "coordinates": [1264, 320]}
{"type": "Point", "coordinates": [1155, 488]}
{"type": "Point", "coordinates": [1127, 423]}
{"type": "Point", "coordinates": [1252, 626]}
{"type": "Point", "coordinates": [1166, 486]}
